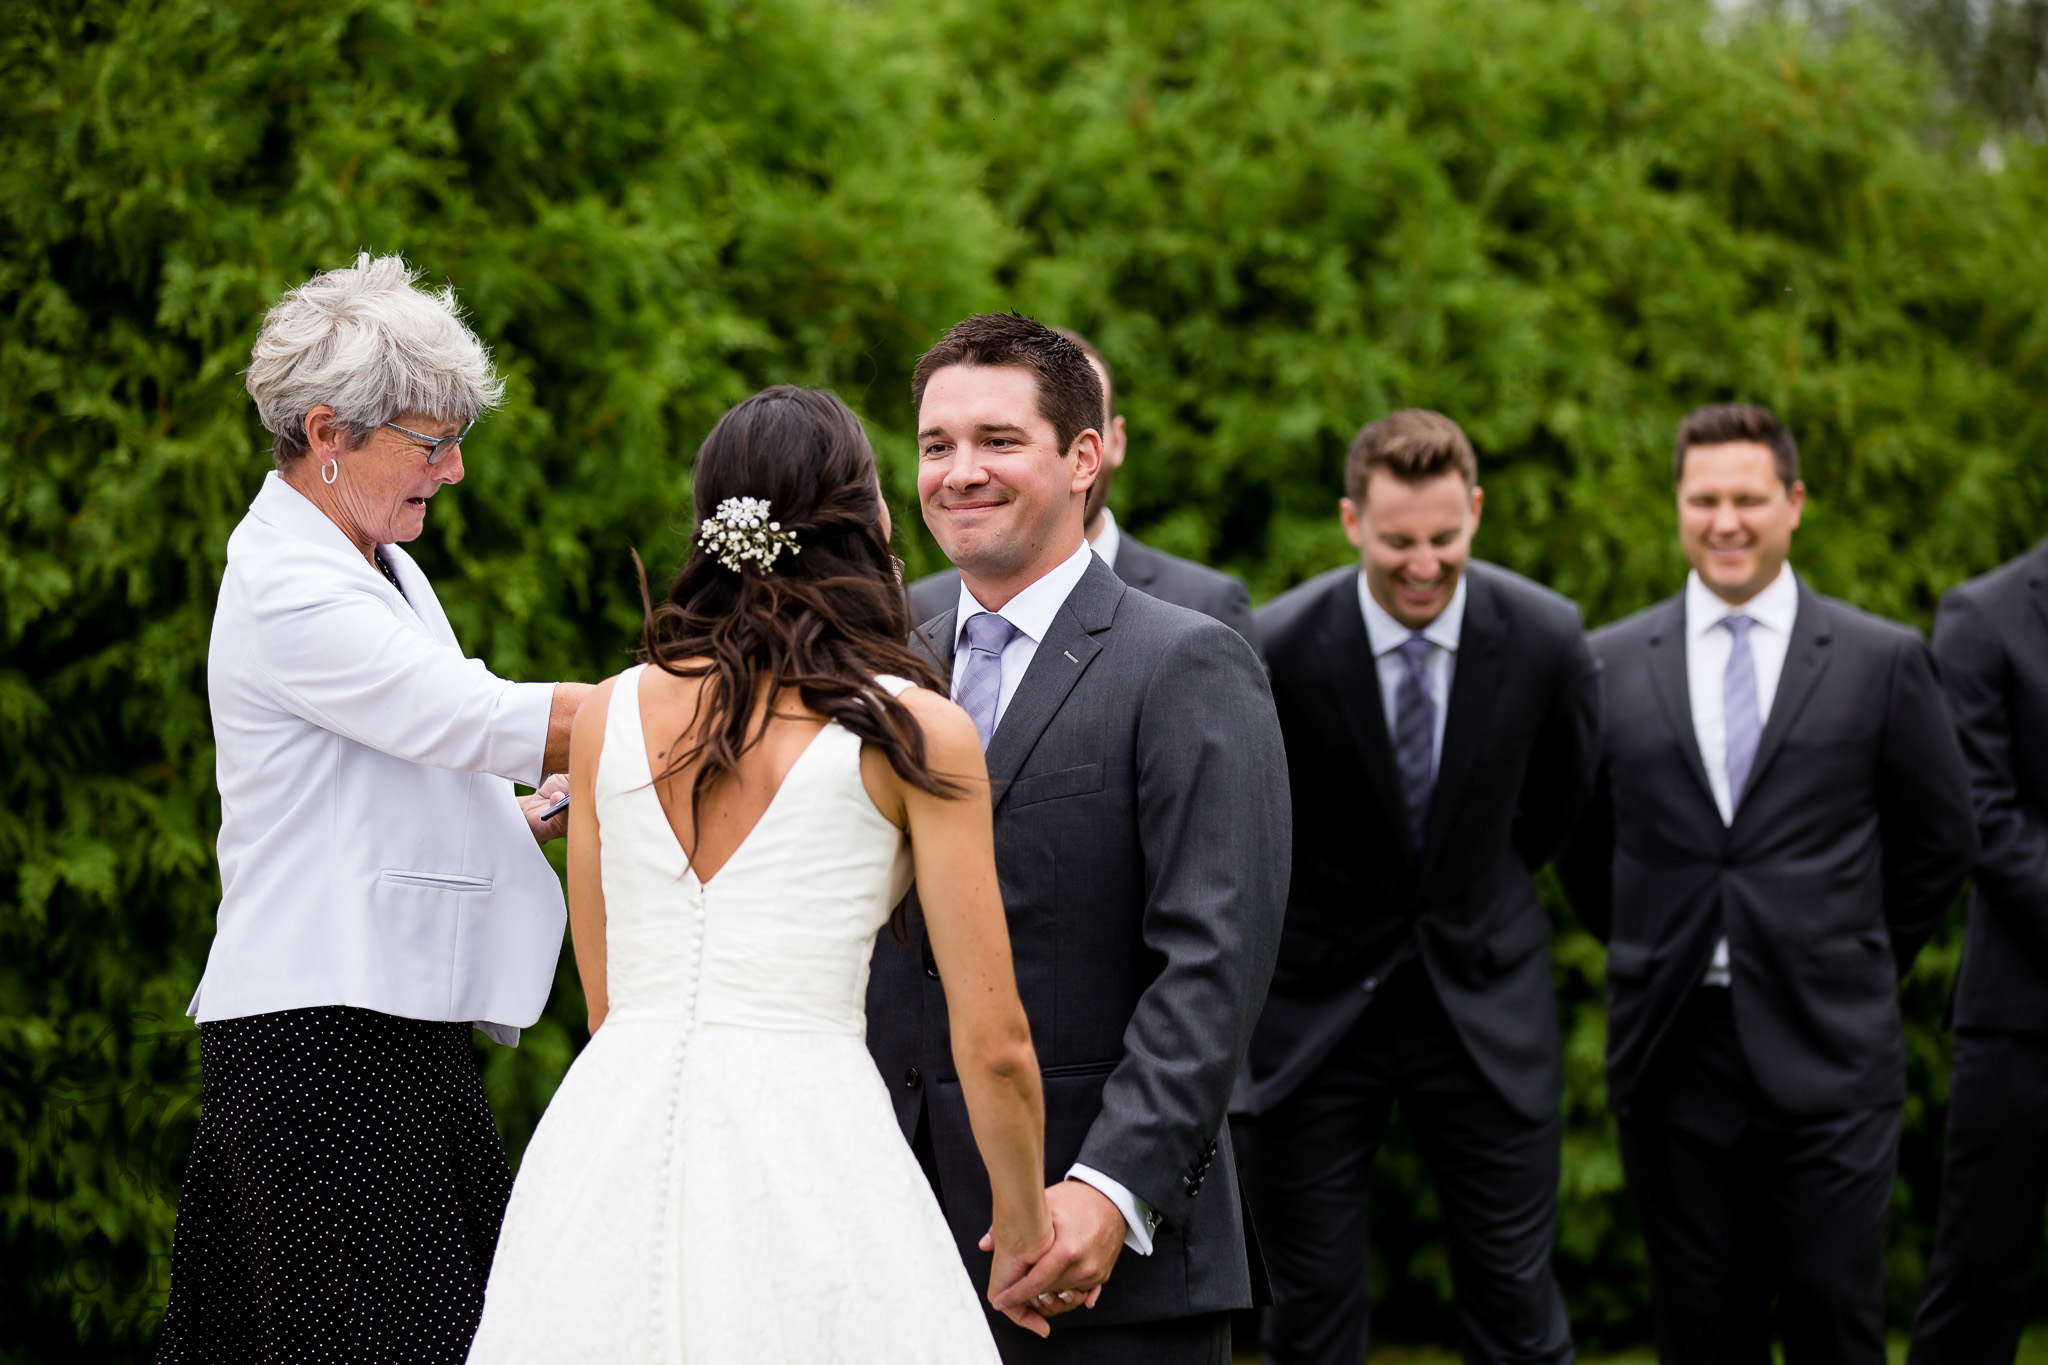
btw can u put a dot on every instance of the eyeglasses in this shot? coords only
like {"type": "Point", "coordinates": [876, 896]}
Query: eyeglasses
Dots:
{"type": "Point", "coordinates": [437, 446]}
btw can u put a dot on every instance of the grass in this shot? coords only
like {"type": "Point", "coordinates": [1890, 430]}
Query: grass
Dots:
{"type": "Point", "coordinates": [2033, 1351]}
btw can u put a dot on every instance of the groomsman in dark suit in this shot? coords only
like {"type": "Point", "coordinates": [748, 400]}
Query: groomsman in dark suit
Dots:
{"type": "Point", "coordinates": [1440, 717]}
{"type": "Point", "coordinates": [1781, 821]}
{"type": "Point", "coordinates": [1991, 640]}
{"type": "Point", "coordinates": [1152, 572]}
{"type": "Point", "coordinates": [1141, 829]}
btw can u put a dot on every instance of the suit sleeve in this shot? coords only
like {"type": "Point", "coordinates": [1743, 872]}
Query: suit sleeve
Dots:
{"type": "Point", "coordinates": [1215, 836]}
{"type": "Point", "coordinates": [2012, 858]}
{"type": "Point", "coordinates": [1586, 864]}
{"type": "Point", "coordinates": [1561, 763]}
{"type": "Point", "coordinates": [1923, 796]}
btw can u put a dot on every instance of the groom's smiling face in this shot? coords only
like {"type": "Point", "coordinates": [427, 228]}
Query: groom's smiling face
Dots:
{"type": "Point", "coordinates": [1003, 500]}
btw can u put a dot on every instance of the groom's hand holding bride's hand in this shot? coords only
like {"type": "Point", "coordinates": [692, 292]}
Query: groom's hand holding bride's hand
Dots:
{"type": "Point", "coordinates": [1088, 1233]}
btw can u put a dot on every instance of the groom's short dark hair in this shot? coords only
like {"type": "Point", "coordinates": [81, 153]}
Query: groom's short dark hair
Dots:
{"type": "Point", "coordinates": [1069, 394]}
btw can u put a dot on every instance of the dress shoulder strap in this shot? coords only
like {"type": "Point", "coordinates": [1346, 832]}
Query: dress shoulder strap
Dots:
{"type": "Point", "coordinates": [625, 739]}
{"type": "Point", "coordinates": [894, 685]}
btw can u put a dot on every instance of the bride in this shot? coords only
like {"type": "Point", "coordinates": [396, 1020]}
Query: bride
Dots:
{"type": "Point", "coordinates": [719, 1177]}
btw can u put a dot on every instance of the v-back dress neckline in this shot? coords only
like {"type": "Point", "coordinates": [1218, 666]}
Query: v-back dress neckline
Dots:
{"type": "Point", "coordinates": [774, 800]}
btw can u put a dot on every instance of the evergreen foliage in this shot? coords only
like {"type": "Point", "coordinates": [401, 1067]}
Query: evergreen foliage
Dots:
{"type": "Point", "coordinates": [1563, 223]}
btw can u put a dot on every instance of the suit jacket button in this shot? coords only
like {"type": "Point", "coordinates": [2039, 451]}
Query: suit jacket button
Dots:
{"type": "Point", "coordinates": [931, 969]}
{"type": "Point", "coordinates": [1372, 983]}
{"type": "Point", "coordinates": [911, 1078]}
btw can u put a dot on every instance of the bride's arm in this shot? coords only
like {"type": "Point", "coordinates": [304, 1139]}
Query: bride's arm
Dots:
{"type": "Point", "coordinates": [952, 842]}
{"type": "Point", "coordinates": [586, 888]}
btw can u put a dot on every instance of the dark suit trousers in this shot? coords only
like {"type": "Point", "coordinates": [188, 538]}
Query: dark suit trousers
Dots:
{"type": "Point", "coordinates": [1743, 1204]}
{"type": "Point", "coordinates": [1496, 1174]}
{"type": "Point", "coordinates": [1994, 1190]}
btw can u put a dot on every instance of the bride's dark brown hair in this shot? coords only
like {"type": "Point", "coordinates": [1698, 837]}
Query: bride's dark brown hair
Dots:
{"type": "Point", "coordinates": [824, 620]}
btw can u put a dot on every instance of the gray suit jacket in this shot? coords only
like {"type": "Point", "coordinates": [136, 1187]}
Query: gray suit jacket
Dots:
{"type": "Point", "coordinates": [1142, 835]}
{"type": "Point", "coordinates": [1152, 572]}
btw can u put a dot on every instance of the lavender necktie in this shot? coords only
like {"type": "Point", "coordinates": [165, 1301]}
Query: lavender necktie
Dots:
{"type": "Point", "coordinates": [981, 673]}
{"type": "Point", "coordinates": [1415, 734]}
{"type": "Point", "coordinates": [1738, 707]}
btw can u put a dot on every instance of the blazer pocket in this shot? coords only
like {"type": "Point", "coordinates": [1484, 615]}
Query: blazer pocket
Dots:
{"type": "Point", "coordinates": [434, 881]}
{"type": "Point", "coordinates": [1629, 961]}
{"type": "Point", "coordinates": [1054, 1073]}
{"type": "Point", "coordinates": [1052, 786]}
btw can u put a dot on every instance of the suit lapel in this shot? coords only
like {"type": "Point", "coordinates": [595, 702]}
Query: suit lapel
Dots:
{"type": "Point", "coordinates": [1666, 665]}
{"type": "Point", "coordinates": [1475, 685]}
{"type": "Point", "coordinates": [1354, 680]}
{"type": "Point", "coordinates": [1806, 658]}
{"type": "Point", "coordinates": [1063, 656]}
{"type": "Point", "coordinates": [936, 638]}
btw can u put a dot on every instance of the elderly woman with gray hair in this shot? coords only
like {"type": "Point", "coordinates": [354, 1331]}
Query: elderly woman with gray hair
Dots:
{"type": "Point", "coordinates": [382, 887]}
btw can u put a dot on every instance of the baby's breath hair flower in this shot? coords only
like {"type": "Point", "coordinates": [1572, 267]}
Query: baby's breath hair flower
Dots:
{"type": "Point", "coordinates": [739, 533]}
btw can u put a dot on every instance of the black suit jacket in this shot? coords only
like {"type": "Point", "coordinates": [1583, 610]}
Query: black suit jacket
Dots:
{"type": "Point", "coordinates": [1141, 829]}
{"type": "Point", "coordinates": [1991, 640]}
{"type": "Point", "coordinates": [1152, 572]}
{"type": "Point", "coordinates": [1848, 845]}
{"type": "Point", "coordinates": [1516, 767]}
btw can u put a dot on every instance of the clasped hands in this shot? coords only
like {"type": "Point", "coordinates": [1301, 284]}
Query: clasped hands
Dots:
{"type": "Point", "coordinates": [1029, 1285]}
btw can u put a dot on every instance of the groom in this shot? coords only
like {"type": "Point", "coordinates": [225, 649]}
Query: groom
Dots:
{"type": "Point", "coordinates": [1142, 835]}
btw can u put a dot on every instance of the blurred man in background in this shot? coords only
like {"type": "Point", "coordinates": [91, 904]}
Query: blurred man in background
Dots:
{"type": "Point", "coordinates": [1991, 640]}
{"type": "Point", "coordinates": [1440, 717]}
{"type": "Point", "coordinates": [1153, 572]}
{"type": "Point", "coordinates": [1782, 819]}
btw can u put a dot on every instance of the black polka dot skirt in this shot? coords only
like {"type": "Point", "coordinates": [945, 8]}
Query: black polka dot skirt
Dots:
{"type": "Point", "coordinates": [343, 1197]}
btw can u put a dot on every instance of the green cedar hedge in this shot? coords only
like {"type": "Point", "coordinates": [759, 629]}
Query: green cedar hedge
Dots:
{"type": "Point", "coordinates": [1563, 223]}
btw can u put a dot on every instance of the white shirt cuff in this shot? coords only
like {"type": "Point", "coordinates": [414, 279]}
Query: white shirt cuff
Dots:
{"type": "Point", "coordinates": [1139, 1219]}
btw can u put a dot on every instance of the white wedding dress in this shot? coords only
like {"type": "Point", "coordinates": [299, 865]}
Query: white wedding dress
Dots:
{"type": "Point", "coordinates": [720, 1177]}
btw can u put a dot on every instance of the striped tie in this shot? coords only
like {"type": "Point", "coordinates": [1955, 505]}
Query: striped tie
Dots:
{"type": "Point", "coordinates": [981, 673]}
{"type": "Point", "coordinates": [1738, 708]}
{"type": "Point", "coordinates": [1415, 734]}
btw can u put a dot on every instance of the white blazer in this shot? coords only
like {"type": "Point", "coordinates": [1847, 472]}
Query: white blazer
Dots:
{"type": "Point", "coordinates": [372, 851]}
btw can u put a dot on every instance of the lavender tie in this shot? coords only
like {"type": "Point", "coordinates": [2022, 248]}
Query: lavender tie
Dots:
{"type": "Point", "coordinates": [1415, 734]}
{"type": "Point", "coordinates": [981, 674]}
{"type": "Point", "coordinates": [1738, 707]}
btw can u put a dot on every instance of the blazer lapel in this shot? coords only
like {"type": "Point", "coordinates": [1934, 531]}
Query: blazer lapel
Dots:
{"type": "Point", "coordinates": [1475, 685]}
{"type": "Point", "coordinates": [2037, 580]}
{"type": "Point", "coordinates": [1354, 680]}
{"type": "Point", "coordinates": [1806, 658]}
{"type": "Point", "coordinates": [1063, 656]}
{"type": "Point", "coordinates": [935, 638]}
{"type": "Point", "coordinates": [1666, 665]}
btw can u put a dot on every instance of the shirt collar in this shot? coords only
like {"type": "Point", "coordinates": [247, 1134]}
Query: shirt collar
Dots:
{"type": "Point", "coordinates": [1387, 634]}
{"type": "Point", "coordinates": [1031, 610]}
{"type": "Point", "coordinates": [1110, 541]}
{"type": "Point", "coordinates": [1775, 608]}
{"type": "Point", "coordinates": [292, 512]}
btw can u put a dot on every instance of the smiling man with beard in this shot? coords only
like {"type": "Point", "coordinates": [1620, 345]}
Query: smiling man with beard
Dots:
{"type": "Point", "coordinates": [1439, 715]}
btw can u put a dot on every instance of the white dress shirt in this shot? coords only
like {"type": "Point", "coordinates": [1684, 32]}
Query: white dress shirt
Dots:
{"type": "Point", "coordinates": [1707, 647]}
{"type": "Point", "coordinates": [1388, 635]}
{"type": "Point", "coordinates": [372, 852]}
{"type": "Point", "coordinates": [1031, 612]}
{"type": "Point", "coordinates": [1109, 540]}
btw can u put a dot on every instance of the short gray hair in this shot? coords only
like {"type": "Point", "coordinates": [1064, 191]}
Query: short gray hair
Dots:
{"type": "Point", "coordinates": [368, 342]}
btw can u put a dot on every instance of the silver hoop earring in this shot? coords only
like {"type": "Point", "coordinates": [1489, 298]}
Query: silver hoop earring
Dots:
{"type": "Point", "coordinates": [325, 476]}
